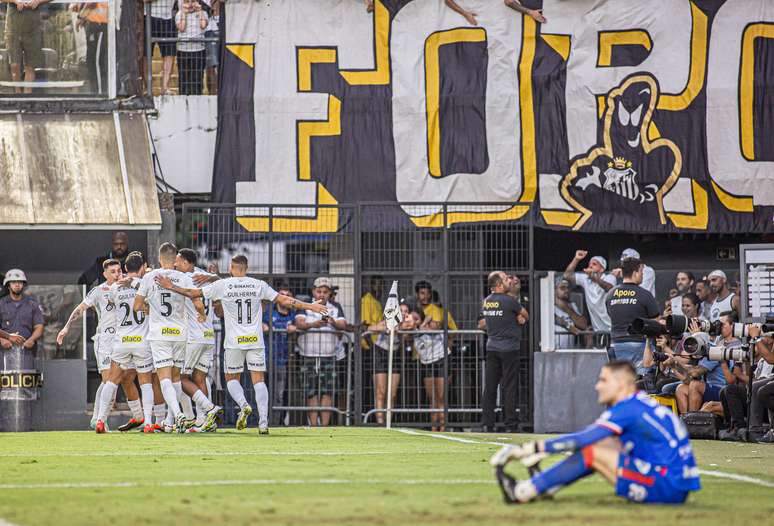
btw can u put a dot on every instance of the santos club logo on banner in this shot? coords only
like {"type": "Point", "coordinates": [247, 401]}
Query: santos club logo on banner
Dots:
{"type": "Point", "coordinates": [620, 115]}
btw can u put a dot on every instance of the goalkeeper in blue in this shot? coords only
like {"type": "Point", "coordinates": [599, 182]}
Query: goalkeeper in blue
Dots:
{"type": "Point", "coordinates": [637, 445]}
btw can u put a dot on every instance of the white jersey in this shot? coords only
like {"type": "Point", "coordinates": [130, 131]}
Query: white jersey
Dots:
{"type": "Point", "coordinates": [720, 306]}
{"type": "Point", "coordinates": [320, 342]}
{"type": "Point", "coordinates": [200, 332]}
{"type": "Point", "coordinates": [241, 300]}
{"type": "Point", "coordinates": [168, 313]}
{"type": "Point", "coordinates": [100, 298]}
{"type": "Point", "coordinates": [131, 326]}
{"type": "Point", "coordinates": [595, 300]}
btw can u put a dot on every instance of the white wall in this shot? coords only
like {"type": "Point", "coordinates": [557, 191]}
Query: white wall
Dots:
{"type": "Point", "coordinates": [184, 136]}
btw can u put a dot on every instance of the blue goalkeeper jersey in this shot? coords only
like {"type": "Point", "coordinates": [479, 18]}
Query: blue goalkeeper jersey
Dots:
{"type": "Point", "coordinates": [649, 432]}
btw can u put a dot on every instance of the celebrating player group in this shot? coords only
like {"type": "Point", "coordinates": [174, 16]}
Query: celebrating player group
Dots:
{"type": "Point", "coordinates": [156, 326]}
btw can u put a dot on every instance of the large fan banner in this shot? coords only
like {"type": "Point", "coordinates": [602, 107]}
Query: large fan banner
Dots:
{"type": "Point", "coordinates": [612, 116]}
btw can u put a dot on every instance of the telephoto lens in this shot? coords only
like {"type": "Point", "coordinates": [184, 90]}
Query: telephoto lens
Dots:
{"type": "Point", "coordinates": [721, 354]}
{"type": "Point", "coordinates": [647, 327]}
{"type": "Point", "coordinates": [696, 344]}
{"type": "Point", "coordinates": [676, 324]}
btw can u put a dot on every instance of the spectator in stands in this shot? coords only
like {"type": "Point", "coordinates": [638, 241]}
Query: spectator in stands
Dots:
{"type": "Point", "coordinates": [317, 346]}
{"type": "Point", "coordinates": [504, 317]}
{"type": "Point", "coordinates": [24, 39]}
{"type": "Point", "coordinates": [684, 281]}
{"type": "Point", "coordinates": [649, 275]}
{"type": "Point", "coordinates": [371, 309]}
{"type": "Point", "coordinates": [625, 303]}
{"type": "Point", "coordinates": [93, 19]}
{"type": "Point", "coordinates": [212, 48]}
{"type": "Point", "coordinates": [191, 22]}
{"type": "Point", "coordinates": [725, 300]}
{"type": "Point", "coordinates": [690, 305]}
{"type": "Point", "coordinates": [516, 291]}
{"type": "Point", "coordinates": [467, 15]}
{"type": "Point", "coordinates": [537, 14]}
{"type": "Point", "coordinates": [432, 309]}
{"type": "Point", "coordinates": [568, 320]}
{"type": "Point", "coordinates": [381, 357]}
{"type": "Point", "coordinates": [283, 330]}
{"type": "Point", "coordinates": [595, 284]}
{"type": "Point", "coordinates": [707, 297]}
{"type": "Point", "coordinates": [118, 251]}
{"type": "Point", "coordinates": [163, 26]}
{"type": "Point", "coordinates": [705, 380]}
{"type": "Point", "coordinates": [762, 388]}
{"type": "Point", "coordinates": [430, 348]}
{"type": "Point", "coordinates": [20, 314]}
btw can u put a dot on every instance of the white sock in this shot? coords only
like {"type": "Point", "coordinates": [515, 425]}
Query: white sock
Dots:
{"type": "Point", "coordinates": [262, 401]}
{"type": "Point", "coordinates": [208, 381]}
{"type": "Point", "coordinates": [159, 413]}
{"type": "Point", "coordinates": [202, 401]}
{"type": "Point", "coordinates": [170, 397]}
{"type": "Point", "coordinates": [135, 406]}
{"type": "Point", "coordinates": [185, 401]}
{"type": "Point", "coordinates": [106, 400]}
{"type": "Point", "coordinates": [97, 395]}
{"type": "Point", "coordinates": [237, 393]}
{"type": "Point", "coordinates": [147, 402]}
{"type": "Point", "coordinates": [111, 404]}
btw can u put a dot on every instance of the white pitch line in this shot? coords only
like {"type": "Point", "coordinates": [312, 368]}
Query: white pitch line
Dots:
{"type": "Point", "coordinates": [206, 454]}
{"type": "Point", "coordinates": [6, 523]}
{"type": "Point", "coordinates": [709, 473]}
{"type": "Point", "coordinates": [252, 482]}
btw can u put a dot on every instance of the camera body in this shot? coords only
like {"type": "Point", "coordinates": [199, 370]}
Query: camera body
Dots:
{"type": "Point", "coordinates": [698, 346]}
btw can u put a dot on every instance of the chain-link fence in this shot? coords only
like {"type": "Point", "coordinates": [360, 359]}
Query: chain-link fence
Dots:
{"type": "Point", "coordinates": [440, 259]}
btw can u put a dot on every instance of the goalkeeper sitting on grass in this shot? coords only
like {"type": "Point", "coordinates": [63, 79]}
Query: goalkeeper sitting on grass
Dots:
{"type": "Point", "coordinates": [637, 445]}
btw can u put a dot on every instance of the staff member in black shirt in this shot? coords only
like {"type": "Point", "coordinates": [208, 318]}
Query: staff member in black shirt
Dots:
{"type": "Point", "coordinates": [504, 317]}
{"type": "Point", "coordinates": [625, 303]}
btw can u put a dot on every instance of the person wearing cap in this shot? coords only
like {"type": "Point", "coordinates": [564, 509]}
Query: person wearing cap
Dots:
{"type": "Point", "coordinates": [317, 346]}
{"type": "Point", "coordinates": [595, 284]}
{"type": "Point", "coordinates": [648, 276]}
{"type": "Point", "coordinates": [568, 320]}
{"type": "Point", "coordinates": [432, 310]}
{"type": "Point", "coordinates": [725, 300]}
{"type": "Point", "coordinates": [20, 314]}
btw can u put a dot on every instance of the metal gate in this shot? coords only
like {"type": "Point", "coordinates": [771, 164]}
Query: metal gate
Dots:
{"type": "Point", "coordinates": [362, 248]}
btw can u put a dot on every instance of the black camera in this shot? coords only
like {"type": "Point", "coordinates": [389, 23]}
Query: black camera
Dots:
{"type": "Point", "coordinates": [646, 327]}
{"type": "Point", "coordinates": [659, 356]}
{"type": "Point", "coordinates": [677, 325]}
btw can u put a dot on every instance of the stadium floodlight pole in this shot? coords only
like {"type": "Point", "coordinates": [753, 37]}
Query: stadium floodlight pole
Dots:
{"type": "Point", "coordinates": [392, 317]}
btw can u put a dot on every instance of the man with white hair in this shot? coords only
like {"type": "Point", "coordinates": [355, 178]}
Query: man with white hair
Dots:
{"type": "Point", "coordinates": [595, 284]}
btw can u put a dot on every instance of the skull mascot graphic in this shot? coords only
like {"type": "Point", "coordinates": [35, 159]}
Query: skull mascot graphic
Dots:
{"type": "Point", "coordinates": [630, 173]}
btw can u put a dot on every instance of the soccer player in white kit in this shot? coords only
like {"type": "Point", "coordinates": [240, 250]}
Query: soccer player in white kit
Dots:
{"type": "Point", "coordinates": [99, 298]}
{"type": "Point", "coordinates": [240, 297]}
{"type": "Point", "coordinates": [168, 329]}
{"type": "Point", "coordinates": [199, 351]}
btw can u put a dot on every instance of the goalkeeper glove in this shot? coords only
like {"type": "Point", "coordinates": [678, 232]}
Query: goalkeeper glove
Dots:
{"type": "Point", "coordinates": [527, 453]}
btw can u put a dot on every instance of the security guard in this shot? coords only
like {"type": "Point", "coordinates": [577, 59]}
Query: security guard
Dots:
{"type": "Point", "coordinates": [20, 314]}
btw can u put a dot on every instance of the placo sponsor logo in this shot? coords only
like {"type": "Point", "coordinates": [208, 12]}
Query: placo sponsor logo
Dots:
{"type": "Point", "coordinates": [245, 340]}
{"type": "Point", "coordinates": [131, 339]}
{"type": "Point", "coordinates": [170, 331]}
{"type": "Point", "coordinates": [209, 333]}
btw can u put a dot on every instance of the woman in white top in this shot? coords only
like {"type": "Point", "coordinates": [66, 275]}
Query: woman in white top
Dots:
{"type": "Point", "coordinates": [191, 22]}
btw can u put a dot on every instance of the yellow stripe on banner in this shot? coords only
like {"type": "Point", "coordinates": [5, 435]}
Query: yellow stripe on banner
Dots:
{"type": "Point", "coordinates": [436, 220]}
{"type": "Point", "coordinates": [601, 105]}
{"type": "Point", "coordinates": [732, 202]}
{"type": "Point", "coordinates": [554, 217]}
{"type": "Point", "coordinates": [699, 219]}
{"type": "Point", "coordinates": [433, 88]}
{"type": "Point", "coordinates": [699, 46]}
{"type": "Point", "coordinates": [309, 56]}
{"type": "Point", "coordinates": [244, 52]}
{"type": "Point", "coordinates": [608, 39]}
{"type": "Point", "coordinates": [559, 43]}
{"type": "Point", "coordinates": [527, 107]}
{"type": "Point", "coordinates": [747, 85]}
{"type": "Point", "coordinates": [653, 132]}
{"type": "Point", "coordinates": [380, 75]}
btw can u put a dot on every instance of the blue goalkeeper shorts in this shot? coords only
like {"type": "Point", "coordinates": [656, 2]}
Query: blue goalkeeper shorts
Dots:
{"type": "Point", "coordinates": [639, 481]}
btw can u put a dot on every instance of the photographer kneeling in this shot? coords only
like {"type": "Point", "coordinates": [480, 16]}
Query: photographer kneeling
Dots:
{"type": "Point", "coordinates": [762, 386]}
{"type": "Point", "coordinates": [695, 391]}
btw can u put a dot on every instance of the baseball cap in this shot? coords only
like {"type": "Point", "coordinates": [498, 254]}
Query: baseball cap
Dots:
{"type": "Point", "coordinates": [602, 261]}
{"type": "Point", "coordinates": [630, 253]}
{"type": "Point", "coordinates": [717, 274]}
{"type": "Point", "coordinates": [323, 282]}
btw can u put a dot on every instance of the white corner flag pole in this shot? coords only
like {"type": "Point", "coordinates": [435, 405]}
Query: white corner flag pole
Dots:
{"type": "Point", "coordinates": [392, 317]}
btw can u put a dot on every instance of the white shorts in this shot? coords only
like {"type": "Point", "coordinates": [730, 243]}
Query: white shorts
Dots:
{"type": "Point", "coordinates": [138, 358]}
{"type": "Point", "coordinates": [198, 356]}
{"type": "Point", "coordinates": [234, 360]}
{"type": "Point", "coordinates": [167, 354]}
{"type": "Point", "coordinates": [102, 351]}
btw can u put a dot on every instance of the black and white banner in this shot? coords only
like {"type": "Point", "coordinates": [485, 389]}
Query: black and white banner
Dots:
{"type": "Point", "coordinates": [617, 115]}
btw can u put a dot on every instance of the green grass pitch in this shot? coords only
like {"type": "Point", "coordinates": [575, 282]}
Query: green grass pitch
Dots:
{"type": "Point", "coordinates": [334, 476]}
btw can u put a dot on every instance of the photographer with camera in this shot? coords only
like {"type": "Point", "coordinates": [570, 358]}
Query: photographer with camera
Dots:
{"type": "Point", "coordinates": [625, 303]}
{"type": "Point", "coordinates": [762, 386]}
{"type": "Point", "coordinates": [705, 380]}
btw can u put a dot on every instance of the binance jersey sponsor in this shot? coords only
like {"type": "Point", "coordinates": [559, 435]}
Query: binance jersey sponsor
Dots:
{"type": "Point", "coordinates": [241, 299]}
{"type": "Point", "coordinates": [168, 312]}
{"type": "Point", "coordinates": [200, 332]}
{"type": "Point", "coordinates": [100, 298]}
{"type": "Point", "coordinates": [131, 326]}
